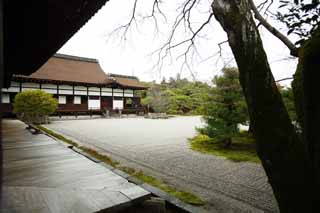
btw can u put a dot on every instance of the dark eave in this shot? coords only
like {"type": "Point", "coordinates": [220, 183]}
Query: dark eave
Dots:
{"type": "Point", "coordinates": [33, 31]}
{"type": "Point", "coordinates": [47, 81]}
{"type": "Point", "coordinates": [20, 78]}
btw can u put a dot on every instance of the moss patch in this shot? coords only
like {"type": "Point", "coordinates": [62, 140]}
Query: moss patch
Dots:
{"type": "Point", "coordinates": [104, 158]}
{"type": "Point", "coordinates": [58, 136]}
{"type": "Point", "coordinates": [127, 170]}
{"type": "Point", "coordinates": [184, 196]}
{"type": "Point", "coordinates": [242, 148]}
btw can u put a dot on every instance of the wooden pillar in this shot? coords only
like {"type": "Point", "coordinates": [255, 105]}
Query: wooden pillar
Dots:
{"type": "Point", "coordinates": [112, 93]}
{"type": "Point", "coordinates": [101, 99]}
{"type": "Point", "coordinates": [112, 99]}
{"type": "Point", "coordinates": [58, 99]}
{"type": "Point", "coordinates": [123, 101]}
{"type": "Point", "coordinates": [87, 97]}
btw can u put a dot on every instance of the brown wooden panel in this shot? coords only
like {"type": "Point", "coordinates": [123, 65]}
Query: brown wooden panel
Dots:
{"type": "Point", "coordinates": [70, 106]}
{"type": "Point", "coordinates": [106, 102]}
{"type": "Point", "coordinates": [6, 108]}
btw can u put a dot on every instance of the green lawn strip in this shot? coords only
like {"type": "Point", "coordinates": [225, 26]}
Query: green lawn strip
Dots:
{"type": "Point", "coordinates": [184, 196]}
{"type": "Point", "coordinates": [58, 136]}
{"type": "Point", "coordinates": [242, 148]}
{"type": "Point", "coordinates": [104, 158]}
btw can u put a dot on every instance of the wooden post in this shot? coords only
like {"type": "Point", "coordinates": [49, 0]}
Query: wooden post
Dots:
{"type": "Point", "coordinates": [112, 99]}
{"type": "Point", "coordinates": [101, 109]}
{"type": "Point", "coordinates": [123, 101]}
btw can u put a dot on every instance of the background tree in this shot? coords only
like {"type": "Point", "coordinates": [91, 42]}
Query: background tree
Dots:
{"type": "Point", "coordinates": [157, 99]}
{"type": "Point", "coordinates": [181, 96]}
{"type": "Point", "coordinates": [34, 106]}
{"type": "Point", "coordinates": [288, 100]}
{"type": "Point", "coordinates": [226, 107]}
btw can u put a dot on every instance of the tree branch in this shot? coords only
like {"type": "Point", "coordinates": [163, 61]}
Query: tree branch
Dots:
{"type": "Point", "coordinates": [293, 49]}
{"type": "Point", "coordinates": [283, 79]}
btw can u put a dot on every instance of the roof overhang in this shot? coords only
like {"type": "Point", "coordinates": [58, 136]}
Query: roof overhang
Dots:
{"type": "Point", "coordinates": [33, 31]}
{"type": "Point", "coordinates": [21, 78]}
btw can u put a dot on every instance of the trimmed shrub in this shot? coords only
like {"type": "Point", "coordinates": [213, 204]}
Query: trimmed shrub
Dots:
{"type": "Point", "coordinates": [34, 106]}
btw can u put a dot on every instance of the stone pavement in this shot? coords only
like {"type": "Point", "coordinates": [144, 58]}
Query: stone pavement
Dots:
{"type": "Point", "coordinates": [160, 148]}
{"type": "Point", "coordinates": [41, 174]}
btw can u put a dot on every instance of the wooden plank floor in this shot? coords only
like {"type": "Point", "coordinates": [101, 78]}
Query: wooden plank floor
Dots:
{"type": "Point", "coordinates": [42, 175]}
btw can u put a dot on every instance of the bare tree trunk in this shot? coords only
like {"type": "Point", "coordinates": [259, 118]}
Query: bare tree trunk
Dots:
{"type": "Point", "coordinates": [281, 152]}
{"type": "Point", "coordinates": [250, 130]}
{"type": "Point", "coordinates": [227, 142]}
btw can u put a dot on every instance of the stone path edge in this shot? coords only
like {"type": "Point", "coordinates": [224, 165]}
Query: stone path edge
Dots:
{"type": "Point", "coordinates": [155, 191]}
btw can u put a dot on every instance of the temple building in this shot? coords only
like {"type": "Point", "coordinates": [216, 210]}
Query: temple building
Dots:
{"type": "Point", "coordinates": [80, 86]}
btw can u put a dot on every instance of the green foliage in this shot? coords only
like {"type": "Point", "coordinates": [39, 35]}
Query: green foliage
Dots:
{"type": "Point", "coordinates": [243, 147]}
{"type": "Point", "coordinates": [157, 99]}
{"type": "Point", "coordinates": [177, 96]}
{"type": "Point", "coordinates": [301, 18]}
{"type": "Point", "coordinates": [34, 105]}
{"type": "Point", "coordinates": [129, 101]}
{"type": "Point", "coordinates": [226, 107]}
{"type": "Point", "coordinates": [287, 97]}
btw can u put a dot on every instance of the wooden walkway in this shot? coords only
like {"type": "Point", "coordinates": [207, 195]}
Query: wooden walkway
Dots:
{"type": "Point", "coordinates": [43, 175]}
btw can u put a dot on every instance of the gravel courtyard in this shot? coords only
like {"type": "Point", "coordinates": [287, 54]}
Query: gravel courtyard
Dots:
{"type": "Point", "coordinates": [160, 148]}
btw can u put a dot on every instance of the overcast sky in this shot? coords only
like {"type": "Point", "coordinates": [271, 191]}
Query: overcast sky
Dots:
{"type": "Point", "coordinates": [134, 54]}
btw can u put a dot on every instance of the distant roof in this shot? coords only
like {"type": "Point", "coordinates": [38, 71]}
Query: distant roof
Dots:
{"type": "Point", "coordinates": [66, 68]}
{"type": "Point", "coordinates": [76, 58]}
{"type": "Point", "coordinates": [125, 80]}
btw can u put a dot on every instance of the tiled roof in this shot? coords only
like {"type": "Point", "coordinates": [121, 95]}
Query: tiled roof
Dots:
{"type": "Point", "coordinates": [125, 80]}
{"type": "Point", "coordinates": [68, 68]}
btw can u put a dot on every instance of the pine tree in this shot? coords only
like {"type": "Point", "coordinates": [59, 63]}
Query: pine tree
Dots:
{"type": "Point", "coordinates": [226, 107]}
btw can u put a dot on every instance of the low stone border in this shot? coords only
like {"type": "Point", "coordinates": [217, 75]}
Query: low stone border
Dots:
{"type": "Point", "coordinates": [157, 116]}
{"type": "Point", "coordinates": [85, 154]}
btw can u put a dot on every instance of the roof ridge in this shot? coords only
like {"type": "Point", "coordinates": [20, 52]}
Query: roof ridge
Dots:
{"type": "Point", "coordinates": [76, 58]}
{"type": "Point", "coordinates": [122, 76]}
